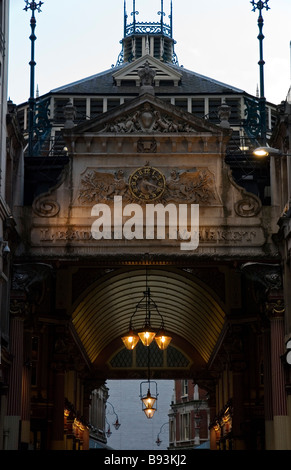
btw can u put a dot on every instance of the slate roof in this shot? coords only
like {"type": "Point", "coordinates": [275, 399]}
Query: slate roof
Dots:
{"type": "Point", "coordinates": [103, 84]}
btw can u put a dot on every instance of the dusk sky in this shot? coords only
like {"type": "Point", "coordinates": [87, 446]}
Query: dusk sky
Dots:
{"type": "Point", "coordinates": [215, 38]}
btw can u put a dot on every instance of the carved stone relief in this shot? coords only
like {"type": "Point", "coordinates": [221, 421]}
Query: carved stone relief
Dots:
{"type": "Point", "coordinates": [147, 120]}
{"type": "Point", "coordinates": [148, 184]}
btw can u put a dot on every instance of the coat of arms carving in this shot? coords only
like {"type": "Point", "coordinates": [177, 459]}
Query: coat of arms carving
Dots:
{"type": "Point", "coordinates": [148, 119]}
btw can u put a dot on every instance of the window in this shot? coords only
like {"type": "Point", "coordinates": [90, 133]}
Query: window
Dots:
{"type": "Point", "coordinates": [182, 103]}
{"type": "Point", "coordinates": [198, 107]}
{"type": "Point", "coordinates": [96, 107]}
{"type": "Point", "coordinates": [185, 427]}
{"type": "Point", "coordinates": [184, 388]}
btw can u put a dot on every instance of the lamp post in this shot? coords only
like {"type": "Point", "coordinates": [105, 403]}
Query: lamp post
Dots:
{"type": "Point", "coordinates": [33, 6]}
{"type": "Point", "coordinates": [260, 5]}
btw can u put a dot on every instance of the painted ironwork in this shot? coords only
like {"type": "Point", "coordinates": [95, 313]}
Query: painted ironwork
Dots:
{"type": "Point", "coordinates": [252, 123]}
{"type": "Point", "coordinates": [147, 27]}
{"type": "Point", "coordinates": [42, 125]}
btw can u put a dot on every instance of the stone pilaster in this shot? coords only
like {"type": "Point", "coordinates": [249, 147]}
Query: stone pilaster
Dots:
{"type": "Point", "coordinates": [14, 397]}
{"type": "Point", "coordinates": [58, 441]}
{"type": "Point", "coordinates": [281, 439]}
{"type": "Point", "coordinates": [268, 401]}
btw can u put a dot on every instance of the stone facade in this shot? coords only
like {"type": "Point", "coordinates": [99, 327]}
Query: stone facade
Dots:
{"type": "Point", "coordinates": [139, 176]}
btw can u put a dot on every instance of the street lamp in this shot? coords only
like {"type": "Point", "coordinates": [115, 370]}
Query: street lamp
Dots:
{"type": "Point", "coordinates": [265, 151]}
{"type": "Point", "coordinates": [33, 6]}
{"type": "Point", "coordinates": [260, 5]}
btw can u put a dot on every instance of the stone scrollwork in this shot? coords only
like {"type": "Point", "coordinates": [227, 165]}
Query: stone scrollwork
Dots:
{"type": "Point", "coordinates": [45, 204]}
{"type": "Point", "coordinates": [45, 208]}
{"type": "Point", "coordinates": [249, 206]}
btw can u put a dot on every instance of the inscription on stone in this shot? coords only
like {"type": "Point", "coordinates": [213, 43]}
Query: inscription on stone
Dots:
{"type": "Point", "coordinates": [207, 235]}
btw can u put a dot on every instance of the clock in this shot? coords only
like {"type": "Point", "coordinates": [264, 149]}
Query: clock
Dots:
{"type": "Point", "coordinates": [147, 184]}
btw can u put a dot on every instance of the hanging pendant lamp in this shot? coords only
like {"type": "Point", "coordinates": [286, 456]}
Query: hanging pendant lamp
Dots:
{"type": "Point", "coordinates": [130, 340]}
{"type": "Point", "coordinates": [163, 339]}
{"type": "Point", "coordinates": [147, 333]}
{"type": "Point", "coordinates": [148, 399]}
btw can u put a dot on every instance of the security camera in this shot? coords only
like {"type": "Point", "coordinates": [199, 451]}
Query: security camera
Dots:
{"type": "Point", "coordinates": [6, 249]}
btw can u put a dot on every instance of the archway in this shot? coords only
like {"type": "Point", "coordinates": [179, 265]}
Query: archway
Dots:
{"type": "Point", "coordinates": [193, 315]}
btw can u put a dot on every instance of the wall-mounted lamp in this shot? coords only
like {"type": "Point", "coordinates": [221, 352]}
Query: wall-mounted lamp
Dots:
{"type": "Point", "coordinates": [116, 423]}
{"type": "Point", "coordinates": [108, 432]}
{"type": "Point", "coordinates": [265, 151]}
{"type": "Point", "coordinates": [159, 441]}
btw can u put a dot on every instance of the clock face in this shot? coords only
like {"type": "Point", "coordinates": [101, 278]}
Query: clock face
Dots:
{"type": "Point", "coordinates": [147, 184]}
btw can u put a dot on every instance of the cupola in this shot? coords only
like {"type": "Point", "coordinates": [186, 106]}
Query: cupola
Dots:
{"type": "Point", "coordinates": [148, 38]}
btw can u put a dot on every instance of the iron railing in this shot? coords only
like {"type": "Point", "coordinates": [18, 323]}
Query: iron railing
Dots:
{"type": "Point", "coordinates": [148, 28]}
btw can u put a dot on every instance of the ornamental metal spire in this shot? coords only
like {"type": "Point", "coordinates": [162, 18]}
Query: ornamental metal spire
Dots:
{"type": "Point", "coordinates": [134, 13]}
{"type": "Point", "coordinates": [162, 13]}
{"type": "Point", "coordinates": [260, 5]}
{"type": "Point", "coordinates": [33, 6]}
{"type": "Point", "coordinates": [171, 19]}
{"type": "Point", "coordinates": [125, 18]}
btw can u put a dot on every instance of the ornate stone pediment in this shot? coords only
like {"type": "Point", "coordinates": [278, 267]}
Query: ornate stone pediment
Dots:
{"type": "Point", "coordinates": [148, 119]}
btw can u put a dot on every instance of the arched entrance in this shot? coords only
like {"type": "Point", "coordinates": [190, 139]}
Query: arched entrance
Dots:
{"type": "Point", "coordinates": [193, 315]}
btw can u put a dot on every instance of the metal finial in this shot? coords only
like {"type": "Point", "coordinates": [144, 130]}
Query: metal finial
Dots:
{"type": "Point", "coordinates": [134, 13]}
{"type": "Point", "coordinates": [33, 6]}
{"type": "Point", "coordinates": [162, 9]}
{"type": "Point", "coordinates": [260, 5]}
